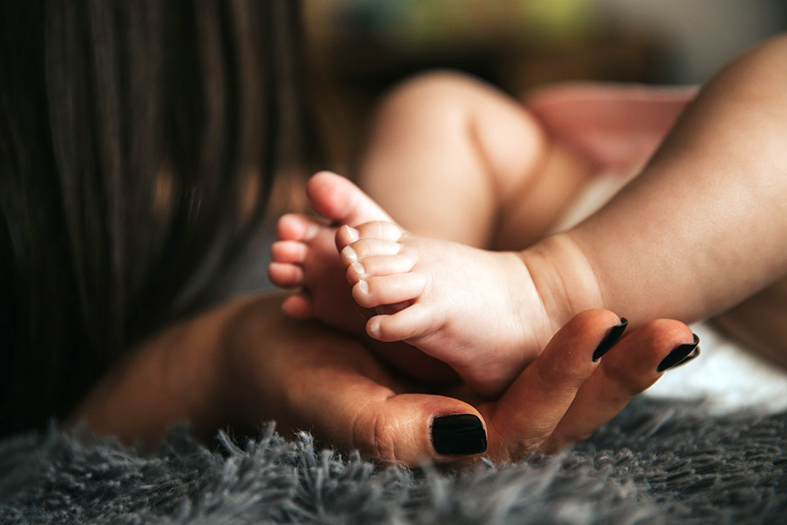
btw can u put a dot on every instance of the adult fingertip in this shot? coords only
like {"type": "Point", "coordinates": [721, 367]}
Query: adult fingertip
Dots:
{"type": "Point", "coordinates": [458, 435]}
{"type": "Point", "coordinates": [680, 355]}
{"type": "Point", "coordinates": [612, 337]}
{"type": "Point", "coordinates": [410, 429]}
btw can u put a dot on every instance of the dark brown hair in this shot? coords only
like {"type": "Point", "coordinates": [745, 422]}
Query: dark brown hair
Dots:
{"type": "Point", "coordinates": [138, 146]}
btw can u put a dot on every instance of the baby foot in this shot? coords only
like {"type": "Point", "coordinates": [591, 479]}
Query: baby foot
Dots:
{"type": "Point", "coordinates": [476, 310]}
{"type": "Point", "coordinates": [306, 257]}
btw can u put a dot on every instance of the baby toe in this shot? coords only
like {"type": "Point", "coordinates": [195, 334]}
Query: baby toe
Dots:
{"type": "Point", "coordinates": [390, 289]}
{"type": "Point", "coordinates": [364, 248]}
{"type": "Point", "coordinates": [297, 227]}
{"type": "Point", "coordinates": [346, 235]}
{"type": "Point", "coordinates": [285, 275]}
{"type": "Point", "coordinates": [298, 306]}
{"type": "Point", "coordinates": [379, 265]}
{"type": "Point", "coordinates": [410, 323]}
{"type": "Point", "coordinates": [384, 230]}
{"type": "Point", "coordinates": [292, 252]}
{"type": "Point", "coordinates": [336, 198]}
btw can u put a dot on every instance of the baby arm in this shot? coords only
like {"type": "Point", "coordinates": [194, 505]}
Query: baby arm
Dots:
{"type": "Point", "coordinates": [703, 227]}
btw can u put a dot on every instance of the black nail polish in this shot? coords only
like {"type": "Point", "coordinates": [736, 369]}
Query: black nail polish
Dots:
{"type": "Point", "coordinates": [610, 339]}
{"type": "Point", "coordinates": [458, 435]}
{"type": "Point", "coordinates": [680, 355]}
{"type": "Point", "coordinates": [695, 354]}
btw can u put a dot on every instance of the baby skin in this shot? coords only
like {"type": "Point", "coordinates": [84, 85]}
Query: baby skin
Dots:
{"type": "Point", "coordinates": [690, 237]}
{"type": "Point", "coordinates": [481, 312]}
{"type": "Point", "coordinates": [478, 311]}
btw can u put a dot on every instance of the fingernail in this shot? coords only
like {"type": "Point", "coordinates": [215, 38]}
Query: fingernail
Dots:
{"type": "Point", "coordinates": [349, 254]}
{"type": "Point", "coordinates": [610, 339]}
{"type": "Point", "coordinates": [680, 355]}
{"type": "Point", "coordinates": [458, 435]}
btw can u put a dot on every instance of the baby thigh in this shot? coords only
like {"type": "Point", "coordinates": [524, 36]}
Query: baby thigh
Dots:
{"type": "Point", "coordinates": [453, 158]}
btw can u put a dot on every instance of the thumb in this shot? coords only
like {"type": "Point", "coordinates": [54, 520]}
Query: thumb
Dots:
{"type": "Point", "coordinates": [307, 377]}
{"type": "Point", "coordinates": [335, 388]}
{"type": "Point", "coordinates": [399, 428]}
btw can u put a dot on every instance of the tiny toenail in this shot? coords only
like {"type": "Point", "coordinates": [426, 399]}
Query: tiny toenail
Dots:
{"type": "Point", "coordinates": [363, 287]}
{"type": "Point", "coordinates": [358, 268]}
{"type": "Point", "coordinates": [349, 254]}
{"type": "Point", "coordinates": [352, 233]}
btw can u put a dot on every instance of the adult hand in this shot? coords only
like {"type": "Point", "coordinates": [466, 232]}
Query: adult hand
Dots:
{"type": "Point", "coordinates": [307, 377]}
{"type": "Point", "coordinates": [564, 396]}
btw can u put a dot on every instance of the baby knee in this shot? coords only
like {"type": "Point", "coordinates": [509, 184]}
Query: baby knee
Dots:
{"type": "Point", "coordinates": [434, 92]}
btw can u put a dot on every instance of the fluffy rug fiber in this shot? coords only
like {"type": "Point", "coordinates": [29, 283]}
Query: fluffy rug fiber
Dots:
{"type": "Point", "coordinates": [657, 462]}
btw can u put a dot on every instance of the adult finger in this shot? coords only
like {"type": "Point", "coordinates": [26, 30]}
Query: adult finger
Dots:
{"type": "Point", "coordinates": [343, 405]}
{"type": "Point", "coordinates": [631, 366]}
{"type": "Point", "coordinates": [310, 378]}
{"type": "Point", "coordinates": [530, 410]}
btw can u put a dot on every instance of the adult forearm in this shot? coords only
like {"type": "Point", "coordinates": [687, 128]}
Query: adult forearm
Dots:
{"type": "Point", "coordinates": [175, 376]}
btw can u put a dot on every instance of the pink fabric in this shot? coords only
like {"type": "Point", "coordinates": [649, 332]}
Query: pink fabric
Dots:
{"type": "Point", "coordinates": [619, 126]}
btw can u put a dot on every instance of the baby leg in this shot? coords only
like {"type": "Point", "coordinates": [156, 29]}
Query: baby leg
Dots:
{"type": "Point", "coordinates": [448, 153]}
{"type": "Point", "coordinates": [451, 158]}
{"type": "Point", "coordinates": [702, 228]}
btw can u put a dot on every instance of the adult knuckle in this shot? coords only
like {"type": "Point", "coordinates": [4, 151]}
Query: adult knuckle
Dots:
{"type": "Point", "coordinates": [523, 448]}
{"type": "Point", "coordinates": [374, 436]}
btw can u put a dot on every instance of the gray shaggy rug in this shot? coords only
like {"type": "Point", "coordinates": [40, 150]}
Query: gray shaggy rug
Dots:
{"type": "Point", "coordinates": [657, 462]}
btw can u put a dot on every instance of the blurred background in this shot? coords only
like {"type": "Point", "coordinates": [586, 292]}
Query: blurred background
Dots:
{"type": "Point", "coordinates": [361, 47]}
